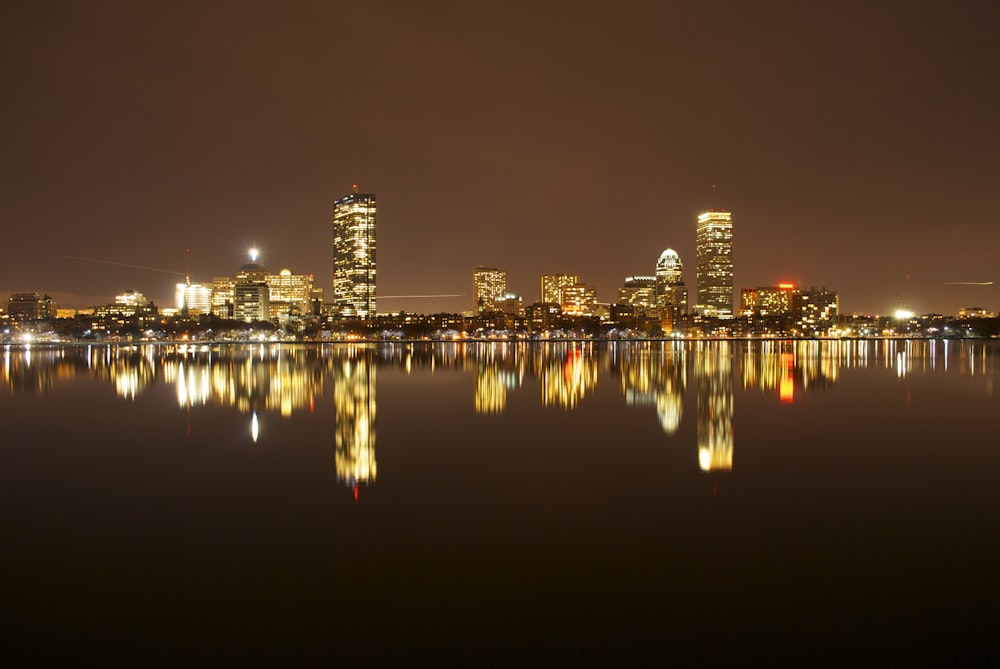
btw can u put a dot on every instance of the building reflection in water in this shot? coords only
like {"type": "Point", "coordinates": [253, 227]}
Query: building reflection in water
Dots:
{"type": "Point", "coordinates": [354, 409]}
{"type": "Point", "coordinates": [499, 369]}
{"type": "Point", "coordinates": [250, 378]}
{"type": "Point", "coordinates": [568, 374]}
{"type": "Point", "coordinates": [713, 370]}
{"type": "Point", "coordinates": [261, 378]}
{"type": "Point", "coordinates": [654, 374]}
{"type": "Point", "coordinates": [781, 366]}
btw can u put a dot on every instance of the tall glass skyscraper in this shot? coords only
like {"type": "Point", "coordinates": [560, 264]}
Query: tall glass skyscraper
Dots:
{"type": "Point", "coordinates": [714, 239]}
{"type": "Point", "coordinates": [354, 255]}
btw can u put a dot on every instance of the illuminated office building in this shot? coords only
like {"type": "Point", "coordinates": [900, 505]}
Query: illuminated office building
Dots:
{"type": "Point", "coordinates": [639, 291]}
{"type": "Point", "coordinates": [542, 315]}
{"type": "Point", "coordinates": [289, 293]}
{"type": "Point", "coordinates": [193, 297]}
{"type": "Point", "coordinates": [130, 302]}
{"type": "Point", "coordinates": [251, 271]}
{"type": "Point", "coordinates": [815, 310]}
{"type": "Point", "coordinates": [354, 255]}
{"type": "Point", "coordinates": [975, 312]}
{"type": "Point", "coordinates": [553, 286]}
{"type": "Point", "coordinates": [669, 270]}
{"type": "Point", "coordinates": [223, 296]}
{"type": "Point", "coordinates": [489, 285]}
{"type": "Point", "coordinates": [251, 295]}
{"type": "Point", "coordinates": [579, 299]}
{"type": "Point", "coordinates": [670, 288]}
{"type": "Point", "coordinates": [30, 305]}
{"type": "Point", "coordinates": [511, 304]}
{"type": "Point", "coordinates": [767, 300]}
{"type": "Point", "coordinates": [714, 239]}
{"type": "Point", "coordinates": [250, 302]}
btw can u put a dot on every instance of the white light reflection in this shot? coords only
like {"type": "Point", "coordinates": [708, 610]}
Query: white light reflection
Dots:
{"type": "Point", "coordinates": [254, 427]}
{"type": "Point", "coordinates": [182, 394]}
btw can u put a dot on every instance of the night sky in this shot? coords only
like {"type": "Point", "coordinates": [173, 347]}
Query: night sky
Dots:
{"type": "Point", "coordinates": [855, 143]}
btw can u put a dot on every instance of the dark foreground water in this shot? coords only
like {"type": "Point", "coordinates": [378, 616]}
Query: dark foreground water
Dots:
{"type": "Point", "coordinates": [721, 503]}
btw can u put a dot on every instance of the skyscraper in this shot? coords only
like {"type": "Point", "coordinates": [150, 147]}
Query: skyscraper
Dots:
{"type": "Point", "coordinates": [354, 255]}
{"type": "Point", "coordinates": [714, 240]}
{"type": "Point", "coordinates": [670, 289]}
{"type": "Point", "coordinates": [553, 286]}
{"type": "Point", "coordinates": [250, 292]}
{"type": "Point", "coordinates": [489, 286]}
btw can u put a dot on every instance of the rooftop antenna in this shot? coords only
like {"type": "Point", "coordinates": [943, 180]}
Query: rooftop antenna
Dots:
{"type": "Point", "coordinates": [355, 187]}
{"type": "Point", "coordinates": [187, 276]}
{"type": "Point", "coordinates": [713, 197]}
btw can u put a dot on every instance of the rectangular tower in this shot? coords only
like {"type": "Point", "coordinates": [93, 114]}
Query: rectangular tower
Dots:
{"type": "Point", "coordinates": [354, 255]}
{"type": "Point", "coordinates": [489, 286]}
{"type": "Point", "coordinates": [552, 286]}
{"type": "Point", "coordinates": [714, 238]}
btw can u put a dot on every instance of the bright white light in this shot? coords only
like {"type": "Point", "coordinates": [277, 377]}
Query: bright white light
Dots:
{"type": "Point", "coordinates": [902, 314]}
{"type": "Point", "coordinates": [704, 459]}
{"type": "Point", "coordinates": [253, 255]}
{"type": "Point", "coordinates": [254, 427]}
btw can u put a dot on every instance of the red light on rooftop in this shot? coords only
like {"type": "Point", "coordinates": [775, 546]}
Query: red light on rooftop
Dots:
{"type": "Point", "coordinates": [786, 286]}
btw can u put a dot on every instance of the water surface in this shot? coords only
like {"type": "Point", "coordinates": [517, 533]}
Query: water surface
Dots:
{"type": "Point", "coordinates": [702, 502]}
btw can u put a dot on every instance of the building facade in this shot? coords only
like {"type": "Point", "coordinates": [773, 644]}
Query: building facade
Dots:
{"type": "Point", "coordinates": [767, 300]}
{"type": "Point", "coordinates": [580, 299]}
{"type": "Point", "coordinates": [289, 294]}
{"type": "Point", "coordinates": [670, 288]}
{"type": "Point", "coordinates": [489, 285]}
{"type": "Point", "coordinates": [250, 301]}
{"type": "Point", "coordinates": [130, 302]}
{"type": "Point", "coordinates": [815, 310]}
{"type": "Point", "coordinates": [714, 239]}
{"type": "Point", "coordinates": [223, 296]}
{"type": "Point", "coordinates": [30, 305]}
{"type": "Point", "coordinates": [638, 291]}
{"type": "Point", "coordinates": [193, 298]}
{"type": "Point", "coordinates": [552, 286]}
{"type": "Point", "coordinates": [354, 255]}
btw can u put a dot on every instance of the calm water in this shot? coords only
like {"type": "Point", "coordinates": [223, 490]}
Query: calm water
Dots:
{"type": "Point", "coordinates": [705, 503]}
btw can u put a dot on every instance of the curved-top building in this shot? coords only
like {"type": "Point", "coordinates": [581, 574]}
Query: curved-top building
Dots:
{"type": "Point", "coordinates": [670, 289]}
{"type": "Point", "coordinates": [669, 268]}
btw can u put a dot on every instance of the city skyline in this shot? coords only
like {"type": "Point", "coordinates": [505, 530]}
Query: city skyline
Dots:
{"type": "Point", "coordinates": [855, 146]}
{"type": "Point", "coordinates": [353, 295]}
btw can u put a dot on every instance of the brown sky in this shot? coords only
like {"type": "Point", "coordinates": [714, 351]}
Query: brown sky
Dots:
{"type": "Point", "coordinates": [855, 143]}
